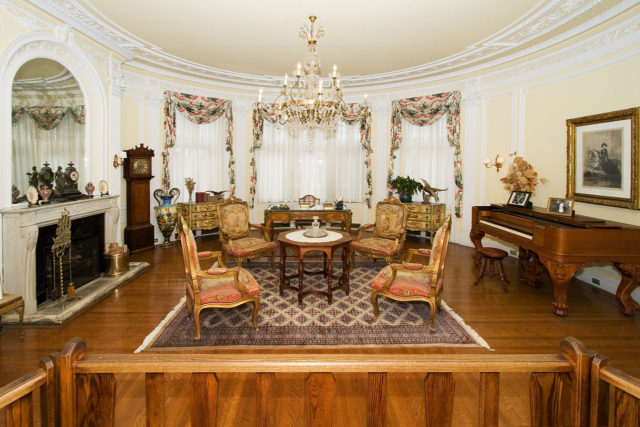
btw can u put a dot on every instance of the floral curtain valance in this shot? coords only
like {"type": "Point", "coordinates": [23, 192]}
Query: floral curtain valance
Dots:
{"type": "Point", "coordinates": [48, 117]}
{"type": "Point", "coordinates": [356, 113]}
{"type": "Point", "coordinates": [423, 111]}
{"type": "Point", "coordinates": [200, 110]}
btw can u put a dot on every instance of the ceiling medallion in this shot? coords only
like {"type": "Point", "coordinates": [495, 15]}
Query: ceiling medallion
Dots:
{"type": "Point", "coordinates": [305, 101]}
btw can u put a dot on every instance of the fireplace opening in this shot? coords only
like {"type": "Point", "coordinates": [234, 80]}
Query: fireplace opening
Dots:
{"type": "Point", "coordinates": [87, 261]}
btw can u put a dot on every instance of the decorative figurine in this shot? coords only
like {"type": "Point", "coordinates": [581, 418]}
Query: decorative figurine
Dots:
{"type": "Point", "coordinates": [33, 177]}
{"type": "Point", "coordinates": [45, 192]}
{"type": "Point", "coordinates": [191, 185]}
{"type": "Point", "coordinates": [90, 188]}
{"type": "Point", "coordinates": [429, 191]}
{"type": "Point", "coordinates": [59, 180]}
{"type": "Point", "coordinates": [15, 193]}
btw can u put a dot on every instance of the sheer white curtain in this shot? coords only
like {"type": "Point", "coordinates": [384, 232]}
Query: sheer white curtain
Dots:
{"type": "Point", "coordinates": [291, 164]}
{"type": "Point", "coordinates": [200, 154]}
{"type": "Point", "coordinates": [425, 152]}
{"type": "Point", "coordinates": [33, 146]}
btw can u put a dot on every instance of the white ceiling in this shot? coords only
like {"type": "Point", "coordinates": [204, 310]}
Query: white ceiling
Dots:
{"type": "Point", "coordinates": [363, 37]}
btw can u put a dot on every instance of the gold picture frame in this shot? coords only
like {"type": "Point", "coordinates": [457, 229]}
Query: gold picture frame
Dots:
{"type": "Point", "coordinates": [602, 159]}
{"type": "Point", "coordinates": [558, 206]}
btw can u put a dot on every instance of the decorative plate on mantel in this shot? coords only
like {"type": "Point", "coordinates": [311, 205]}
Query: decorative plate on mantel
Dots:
{"type": "Point", "coordinates": [103, 186]}
{"type": "Point", "coordinates": [32, 195]}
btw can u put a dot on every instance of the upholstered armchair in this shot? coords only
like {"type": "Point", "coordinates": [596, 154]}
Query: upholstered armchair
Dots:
{"type": "Point", "coordinates": [235, 233]}
{"type": "Point", "coordinates": [216, 287]}
{"type": "Point", "coordinates": [388, 232]}
{"type": "Point", "coordinates": [414, 281]}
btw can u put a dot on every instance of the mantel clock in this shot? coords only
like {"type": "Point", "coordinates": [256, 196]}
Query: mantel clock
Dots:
{"type": "Point", "coordinates": [138, 234]}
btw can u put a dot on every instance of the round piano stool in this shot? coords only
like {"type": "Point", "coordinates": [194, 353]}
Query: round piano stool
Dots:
{"type": "Point", "coordinates": [493, 257]}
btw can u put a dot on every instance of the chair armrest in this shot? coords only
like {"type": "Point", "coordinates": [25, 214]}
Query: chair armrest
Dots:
{"type": "Point", "coordinates": [204, 255]}
{"type": "Point", "coordinates": [417, 252]}
{"type": "Point", "coordinates": [265, 232]}
{"type": "Point", "coordinates": [363, 227]}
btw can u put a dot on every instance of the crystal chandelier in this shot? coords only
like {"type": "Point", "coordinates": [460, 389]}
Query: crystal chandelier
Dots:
{"type": "Point", "coordinates": [305, 101]}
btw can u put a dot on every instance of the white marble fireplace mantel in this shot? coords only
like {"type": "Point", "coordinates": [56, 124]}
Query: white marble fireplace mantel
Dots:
{"type": "Point", "coordinates": [20, 235]}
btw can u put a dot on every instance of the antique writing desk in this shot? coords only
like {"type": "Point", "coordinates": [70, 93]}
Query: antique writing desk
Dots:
{"type": "Point", "coordinates": [563, 244]}
{"type": "Point", "coordinates": [325, 215]}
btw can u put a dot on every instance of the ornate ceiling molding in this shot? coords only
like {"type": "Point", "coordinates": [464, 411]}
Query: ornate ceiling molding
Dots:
{"type": "Point", "coordinates": [501, 46]}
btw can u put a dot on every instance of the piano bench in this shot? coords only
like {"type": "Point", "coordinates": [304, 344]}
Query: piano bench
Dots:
{"type": "Point", "coordinates": [493, 257]}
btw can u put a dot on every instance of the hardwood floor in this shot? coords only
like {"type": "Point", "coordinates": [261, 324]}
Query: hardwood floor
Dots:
{"type": "Point", "coordinates": [517, 321]}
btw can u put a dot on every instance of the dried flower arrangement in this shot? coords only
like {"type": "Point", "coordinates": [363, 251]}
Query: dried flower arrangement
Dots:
{"type": "Point", "coordinates": [521, 176]}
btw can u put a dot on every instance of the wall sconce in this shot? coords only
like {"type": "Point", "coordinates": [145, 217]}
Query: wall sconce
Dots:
{"type": "Point", "coordinates": [119, 160]}
{"type": "Point", "coordinates": [497, 162]}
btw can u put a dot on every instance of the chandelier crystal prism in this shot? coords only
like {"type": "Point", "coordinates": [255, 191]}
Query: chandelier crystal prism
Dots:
{"type": "Point", "coordinates": [304, 101]}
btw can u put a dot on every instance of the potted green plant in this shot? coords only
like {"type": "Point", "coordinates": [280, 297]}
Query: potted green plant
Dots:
{"type": "Point", "coordinates": [405, 187]}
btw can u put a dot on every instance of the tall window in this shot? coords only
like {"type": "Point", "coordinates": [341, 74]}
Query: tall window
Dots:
{"type": "Point", "coordinates": [293, 163]}
{"type": "Point", "coordinates": [200, 154]}
{"type": "Point", "coordinates": [425, 152]}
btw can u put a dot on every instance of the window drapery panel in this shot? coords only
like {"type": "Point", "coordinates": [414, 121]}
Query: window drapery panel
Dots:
{"type": "Point", "coordinates": [422, 111]}
{"type": "Point", "coordinates": [48, 117]}
{"type": "Point", "coordinates": [292, 163]}
{"type": "Point", "coordinates": [32, 146]}
{"type": "Point", "coordinates": [357, 114]}
{"type": "Point", "coordinates": [199, 154]}
{"type": "Point", "coordinates": [199, 110]}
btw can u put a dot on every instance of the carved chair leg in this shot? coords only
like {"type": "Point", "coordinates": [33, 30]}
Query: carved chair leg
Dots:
{"type": "Point", "coordinates": [196, 319]}
{"type": "Point", "coordinates": [273, 253]}
{"type": "Point", "coordinates": [256, 307]}
{"type": "Point", "coordinates": [239, 261]}
{"type": "Point", "coordinates": [353, 259]}
{"type": "Point", "coordinates": [374, 302]}
{"type": "Point", "coordinates": [432, 316]}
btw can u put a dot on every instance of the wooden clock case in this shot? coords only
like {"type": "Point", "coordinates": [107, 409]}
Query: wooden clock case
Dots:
{"type": "Point", "coordinates": [138, 234]}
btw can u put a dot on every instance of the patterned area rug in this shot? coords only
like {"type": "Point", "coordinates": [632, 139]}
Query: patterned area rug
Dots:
{"type": "Point", "coordinates": [345, 322]}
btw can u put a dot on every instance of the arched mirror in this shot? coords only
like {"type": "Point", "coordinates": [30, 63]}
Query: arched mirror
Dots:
{"type": "Point", "coordinates": [48, 129]}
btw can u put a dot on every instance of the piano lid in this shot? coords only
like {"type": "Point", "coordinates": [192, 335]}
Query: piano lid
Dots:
{"type": "Point", "coordinates": [540, 215]}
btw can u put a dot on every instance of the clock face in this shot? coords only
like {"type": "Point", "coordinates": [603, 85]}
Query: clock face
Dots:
{"type": "Point", "coordinates": [74, 176]}
{"type": "Point", "coordinates": [141, 166]}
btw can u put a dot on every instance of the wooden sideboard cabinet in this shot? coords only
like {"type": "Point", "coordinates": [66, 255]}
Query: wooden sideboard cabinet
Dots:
{"type": "Point", "coordinates": [200, 216]}
{"type": "Point", "coordinates": [421, 217]}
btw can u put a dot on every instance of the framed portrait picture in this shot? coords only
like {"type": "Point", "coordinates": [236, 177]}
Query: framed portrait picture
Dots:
{"type": "Point", "coordinates": [560, 206]}
{"type": "Point", "coordinates": [602, 159]}
{"type": "Point", "coordinates": [519, 198]}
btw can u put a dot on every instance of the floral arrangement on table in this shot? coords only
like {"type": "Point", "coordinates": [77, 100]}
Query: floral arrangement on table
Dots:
{"type": "Point", "coordinates": [521, 176]}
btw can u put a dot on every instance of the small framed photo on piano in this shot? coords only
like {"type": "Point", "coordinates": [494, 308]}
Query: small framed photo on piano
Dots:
{"type": "Point", "coordinates": [560, 206]}
{"type": "Point", "coordinates": [519, 198]}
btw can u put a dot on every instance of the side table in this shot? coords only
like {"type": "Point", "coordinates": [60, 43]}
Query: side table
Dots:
{"type": "Point", "coordinates": [13, 302]}
{"type": "Point", "coordinates": [328, 246]}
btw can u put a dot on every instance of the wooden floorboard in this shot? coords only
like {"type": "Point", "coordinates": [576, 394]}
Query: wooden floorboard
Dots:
{"type": "Point", "coordinates": [517, 321]}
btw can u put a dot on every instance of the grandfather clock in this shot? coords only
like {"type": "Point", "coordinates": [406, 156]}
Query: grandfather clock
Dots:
{"type": "Point", "coordinates": [138, 234]}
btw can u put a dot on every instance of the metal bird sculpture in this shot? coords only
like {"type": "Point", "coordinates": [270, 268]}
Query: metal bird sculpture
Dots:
{"type": "Point", "coordinates": [429, 191]}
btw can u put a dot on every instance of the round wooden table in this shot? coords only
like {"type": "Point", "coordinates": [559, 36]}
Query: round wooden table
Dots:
{"type": "Point", "coordinates": [328, 246]}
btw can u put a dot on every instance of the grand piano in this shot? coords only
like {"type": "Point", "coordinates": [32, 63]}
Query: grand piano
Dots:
{"type": "Point", "coordinates": [563, 244]}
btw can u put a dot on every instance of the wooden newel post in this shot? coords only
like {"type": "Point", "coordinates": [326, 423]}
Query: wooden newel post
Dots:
{"type": "Point", "coordinates": [73, 350]}
{"type": "Point", "coordinates": [575, 352]}
{"type": "Point", "coordinates": [48, 392]}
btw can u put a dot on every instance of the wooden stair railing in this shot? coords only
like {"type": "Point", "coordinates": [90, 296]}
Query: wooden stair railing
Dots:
{"type": "Point", "coordinates": [565, 389]}
{"type": "Point", "coordinates": [615, 396]}
{"type": "Point", "coordinates": [17, 397]}
{"type": "Point", "coordinates": [558, 384]}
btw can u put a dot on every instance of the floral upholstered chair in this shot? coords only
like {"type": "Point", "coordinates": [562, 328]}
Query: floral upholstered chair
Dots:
{"type": "Point", "coordinates": [388, 232]}
{"type": "Point", "coordinates": [217, 287]}
{"type": "Point", "coordinates": [412, 281]}
{"type": "Point", "coordinates": [235, 233]}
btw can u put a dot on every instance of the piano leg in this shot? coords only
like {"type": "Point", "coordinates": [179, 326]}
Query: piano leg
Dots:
{"type": "Point", "coordinates": [561, 275]}
{"type": "Point", "coordinates": [476, 238]}
{"type": "Point", "coordinates": [529, 266]}
{"type": "Point", "coordinates": [630, 279]}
